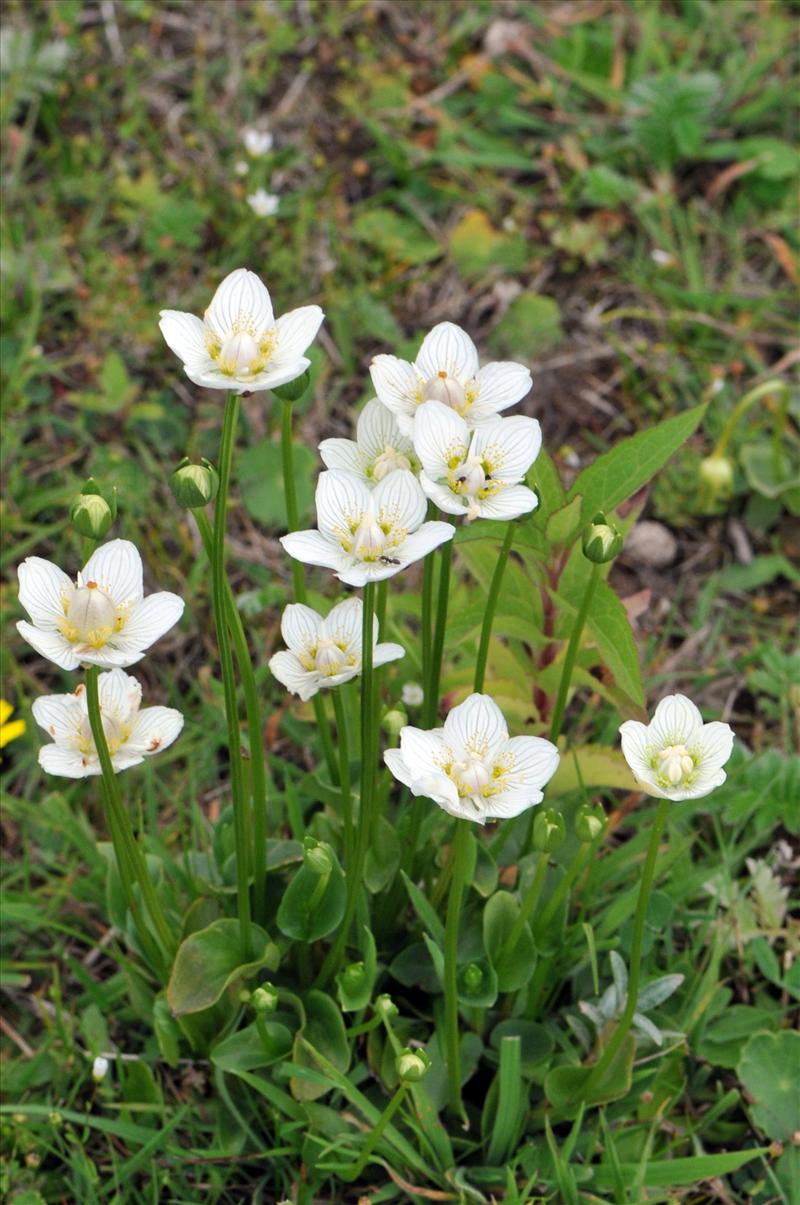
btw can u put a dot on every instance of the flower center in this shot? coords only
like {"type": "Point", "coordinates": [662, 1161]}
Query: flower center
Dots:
{"type": "Point", "coordinates": [444, 388]}
{"type": "Point", "coordinates": [240, 356]}
{"type": "Point", "coordinates": [116, 734]}
{"type": "Point", "coordinates": [470, 775]}
{"type": "Point", "coordinates": [330, 658]}
{"type": "Point", "coordinates": [389, 460]}
{"type": "Point", "coordinates": [369, 539]}
{"type": "Point", "coordinates": [91, 616]}
{"type": "Point", "coordinates": [675, 765]}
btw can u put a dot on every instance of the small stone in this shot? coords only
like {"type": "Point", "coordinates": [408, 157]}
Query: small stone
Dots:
{"type": "Point", "coordinates": [652, 544]}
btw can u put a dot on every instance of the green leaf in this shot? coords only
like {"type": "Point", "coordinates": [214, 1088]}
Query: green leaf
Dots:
{"type": "Point", "coordinates": [564, 524]}
{"type": "Point", "coordinates": [167, 1030]}
{"type": "Point", "coordinates": [426, 913]}
{"type": "Point", "coordinates": [354, 984]}
{"type": "Point", "coordinates": [476, 246]}
{"type": "Point", "coordinates": [324, 1030]}
{"type": "Point", "coordinates": [768, 1070]}
{"type": "Point", "coordinates": [383, 856]}
{"type": "Point", "coordinates": [764, 475]}
{"type": "Point", "coordinates": [208, 961]}
{"type": "Point", "coordinates": [302, 917]}
{"type": "Point", "coordinates": [397, 237]}
{"type": "Point", "coordinates": [506, 1102]}
{"type": "Point", "coordinates": [499, 916]}
{"type": "Point", "coordinates": [261, 482]}
{"type": "Point", "coordinates": [609, 624]}
{"type": "Point", "coordinates": [531, 325]}
{"type": "Point", "coordinates": [543, 478]}
{"type": "Point", "coordinates": [676, 1173]}
{"type": "Point", "coordinates": [598, 766]}
{"type": "Point", "coordinates": [620, 472]}
{"type": "Point", "coordinates": [249, 1049]}
{"type": "Point", "coordinates": [477, 984]}
{"type": "Point", "coordinates": [567, 1087]}
{"type": "Point", "coordinates": [536, 1041]}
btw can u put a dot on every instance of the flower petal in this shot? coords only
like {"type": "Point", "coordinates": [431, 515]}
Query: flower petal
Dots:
{"type": "Point", "coordinates": [498, 386]}
{"type": "Point", "coordinates": [241, 299]}
{"type": "Point", "coordinates": [717, 742]}
{"type": "Point", "coordinates": [61, 716]}
{"type": "Point", "coordinates": [294, 332]}
{"type": "Point", "coordinates": [396, 763]}
{"type": "Point", "coordinates": [377, 430]}
{"type": "Point", "coordinates": [300, 627]}
{"type": "Point", "coordinates": [67, 763]}
{"type": "Point", "coordinates": [440, 437]}
{"type": "Point", "coordinates": [155, 729]}
{"type": "Point", "coordinates": [341, 500]}
{"type": "Point", "coordinates": [286, 667]}
{"type": "Point", "coordinates": [52, 645]}
{"type": "Point", "coordinates": [511, 802]}
{"type": "Point", "coordinates": [116, 567]}
{"type": "Point", "coordinates": [676, 722]}
{"type": "Point", "coordinates": [385, 653]}
{"type": "Point", "coordinates": [420, 543]}
{"type": "Point", "coordinates": [535, 761]}
{"type": "Point", "coordinates": [509, 503]}
{"type": "Point", "coordinates": [509, 446]}
{"type": "Point", "coordinates": [343, 624]}
{"type": "Point", "coordinates": [637, 742]}
{"type": "Point", "coordinates": [108, 657]}
{"type": "Point", "coordinates": [120, 695]}
{"type": "Point", "coordinates": [313, 548]}
{"type": "Point", "coordinates": [399, 500]}
{"type": "Point", "coordinates": [476, 726]}
{"type": "Point", "coordinates": [397, 384]}
{"type": "Point", "coordinates": [443, 497]}
{"type": "Point", "coordinates": [185, 334]}
{"type": "Point", "coordinates": [447, 348]}
{"type": "Point", "coordinates": [44, 592]}
{"type": "Point", "coordinates": [212, 378]}
{"type": "Point", "coordinates": [149, 619]}
{"type": "Point", "coordinates": [341, 454]}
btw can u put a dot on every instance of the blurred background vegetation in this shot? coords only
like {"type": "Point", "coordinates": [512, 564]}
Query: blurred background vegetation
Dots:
{"type": "Point", "coordinates": [604, 189]}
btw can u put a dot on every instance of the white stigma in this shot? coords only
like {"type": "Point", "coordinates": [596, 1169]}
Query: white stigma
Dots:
{"type": "Point", "coordinates": [444, 388]}
{"type": "Point", "coordinates": [91, 614]}
{"type": "Point", "coordinates": [675, 764]}
{"type": "Point", "coordinates": [470, 775]}
{"type": "Point", "coordinates": [389, 460]}
{"type": "Point", "coordinates": [115, 731]}
{"type": "Point", "coordinates": [329, 658]}
{"type": "Point", "coordinates": [470, 477]}
{"type": "Point", "coordinates": [369, 540]}
{"type": "Point", "coordinates": [238, 354]}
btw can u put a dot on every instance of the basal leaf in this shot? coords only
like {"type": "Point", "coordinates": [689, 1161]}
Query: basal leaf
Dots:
{"type": "Point", "coordinates": [209, 960]}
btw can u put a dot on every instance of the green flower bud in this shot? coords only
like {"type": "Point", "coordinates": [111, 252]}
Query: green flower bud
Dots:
{"type": "Point", "coordinates": [194, 485]}
{"type": "Point", "coordinates": [601, 540]}
{"type": "Point", "coordinates": [589, 822]}
{"type": "Point", "coordinates": [716, 478]}
{"type": "Point", "coordinates": [292, 390]}
{"type": "Point", "coordinates": [393, 721]}
{"type": "Point", "coordinates": [317, 856]}
{"type": "Point", "coordinates": [353, 975]}
{"type": "Point", "coordinates": [93, 510]}
{"type": "Point", "coordinates": [549, 830]}
{"type": "Point", "coordinates": [264, 999]}
{"type": "Point", "coordinates": [385, 1007]}
{"type": "Point", "coordinates": [473, 977]}
{"type": "Point", "coordinates": [412, 1065]}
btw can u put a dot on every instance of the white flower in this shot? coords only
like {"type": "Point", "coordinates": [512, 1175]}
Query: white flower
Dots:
{"type": "Point", "coordinates": [447, 370]}
{"type": "Point", "coordinates": [470, 767]}
{"type": "Point", "coordinates": [476, 473]}
{"type": "Point", "coordinates": [241, 167]}
{"type": "Point", "coordinates": [131, 734]}
{"type": "Point", "coordinates": [325, 652]}
{"type": "Point", "coordinates": [99, 1069]}
{"type": "Point", "coordinates": [257, 142]}
{"type": "Point", "coordinates": [412, 694]}
{"type": "Point", "coordinates": [239, 345]}
{"type": "Point", "coordinates": [367, 535]}
{"type": "Point", "coordinates": [677, 756]}
{"type": "Point", "coordinates": [264, 204]}
{"type": "Point", "coordinates": [377, 450]}
{"type": "Point", "coordinates": [104, 619]}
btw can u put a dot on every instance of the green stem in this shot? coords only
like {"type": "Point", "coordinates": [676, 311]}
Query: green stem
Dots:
{"type": "Point", "coordinates": [554, 903]}
{"type": "Point", "coordinates": [130, 859]}
{"type": "Point", "coordinates": [218, 595]}
{"type": "Point", "coordinates": [635, 969]}
{"type": "Point", "coordinates": [431, 705]}
{"type": "Point", "coordinates": [255, 728]}
{"type": "Point", "coordinates": [741, 408]}
{"type": "Point", "coordinates": [491, 607]}
{"type": "Point", "coordinates": [426, 625]}
{"type": "Point", "coordinates": [526, 909]}
{"type": "Point", "coordinates": [353, 1172]}
{"type": "Point", "coordinates": [298, 580]}
{"type": "Point", "coordinates": [369, 753]}
{"type": "Point", "coordinates": [572, 651]}
{"type": "Point", "coordinates": [457, 886]}
{"type": "Point", "coordinates": [345, 785]}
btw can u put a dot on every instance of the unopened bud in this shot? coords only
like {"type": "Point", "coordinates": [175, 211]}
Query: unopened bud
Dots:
{"type": "Point", "coordinates": [99, 1069]}
{"type": "Point", "coordinates": [353, 975]}
{"type": "Point", "coordinates": [394, 721]}
{"type": "Point", "coordinates": [264, 999]}
{"type": "Point", "coordinates": [292, 390]}
{"type": "Point", "coordinates": [412, 1065]}
{"type": "Point", "coordinates": [317, 857]}
{"type": "Point", "coordinates": [385, 1007]}
{"type": "Point", "coordinates": [473, 977]}
{"type": "Point", "coordinates": [93, 511]}
{"type": "Point", "coordinates": [716, 477]}
{"type": "Point", "coordinates": [601, 540]}
{"type": "Point", "coordinates": [194, 485]}
{"type": "Point", "coordinates": [549, 830]}
{"type": "Point", "coordinates": [589, 822]}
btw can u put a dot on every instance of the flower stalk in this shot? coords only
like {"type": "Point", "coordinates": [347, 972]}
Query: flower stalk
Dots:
{"type": "Point", "coordinates": [491, 607]}
{"type": "Point", "coordinates": [454, 902]}
{"type": "Point", "coordinates": [572, 652]}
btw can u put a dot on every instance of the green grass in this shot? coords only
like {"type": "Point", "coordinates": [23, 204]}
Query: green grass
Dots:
{"type": "Point", "coordinates": [604, 193]}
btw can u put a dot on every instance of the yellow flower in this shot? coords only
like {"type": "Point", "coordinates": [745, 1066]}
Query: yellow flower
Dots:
{"type": "Point", "coordinates": [9, 732]}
